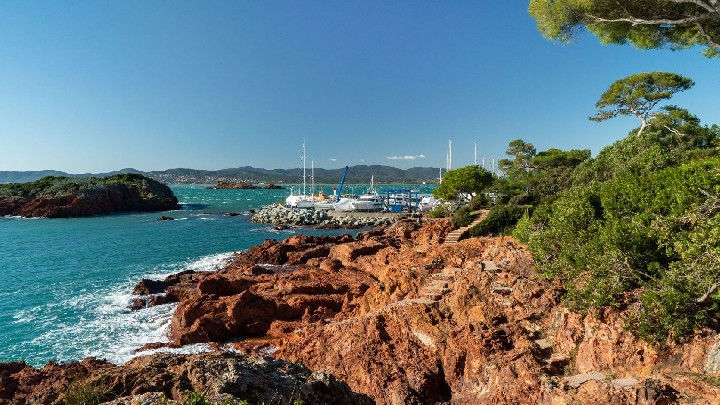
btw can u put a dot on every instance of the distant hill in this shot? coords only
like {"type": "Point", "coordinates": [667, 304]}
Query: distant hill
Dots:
{"type": "Point", "coordinates": [356, 174]}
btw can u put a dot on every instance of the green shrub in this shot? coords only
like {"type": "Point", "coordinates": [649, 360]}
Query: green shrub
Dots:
{"type": "Point", "coordinates": [658, 232]}
{"type": "Point", "coordinates": [441, 211]}
{"type": "Point", "coordinates": [81, 393]}
{"type": "Point", "coordinates": [500, 219]}
{"type": "Point", "coordinates": [462, 217]}
{"type": "Point", "coordinates": [523, 228]}
{"type": "Point", "coordinates": [197, 398]}
{"type": "Point", "coordinates": [479, 201]}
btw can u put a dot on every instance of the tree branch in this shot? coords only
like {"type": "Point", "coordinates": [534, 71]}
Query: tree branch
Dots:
{"type": "Point", "coordinates": [675, 131]}
{"type": "Point", "coordinates": [708, 38]}
{"type": "Point", "coordinates": [707, 6]}
{"type": "Point", "coordinates": [640, 21]}
{"type": "Point", "coordinates": [707, 294]}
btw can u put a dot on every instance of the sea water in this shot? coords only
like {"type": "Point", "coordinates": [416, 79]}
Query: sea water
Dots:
{"type": "Point", "coordinates": [65, 283]}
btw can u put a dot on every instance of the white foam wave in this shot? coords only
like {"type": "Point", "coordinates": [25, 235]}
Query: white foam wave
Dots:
{"type": "Point", "coordinates": [103, 326]}
{"type": "Point", "coordinates": [187, 349]}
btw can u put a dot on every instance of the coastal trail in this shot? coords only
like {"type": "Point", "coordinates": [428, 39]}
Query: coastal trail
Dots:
{"type": "Point", "coordinates": [458, 234]}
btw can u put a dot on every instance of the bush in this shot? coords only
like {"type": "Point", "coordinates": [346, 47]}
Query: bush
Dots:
{"type": "Point", "coordinates": [81, 393]}
{"type": "Point", "coordinates": [500, 219]}
{"type": "Point", "coordinates": [462, 217]}
{"type": "Point", "coordinates": [441, 211]}
{"type": "Point", "coordinates": [479, 201]}
{"type": "Point", "coordinates": [658, 232]}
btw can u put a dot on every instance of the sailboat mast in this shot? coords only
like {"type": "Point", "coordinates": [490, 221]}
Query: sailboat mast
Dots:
{"type": "Point", "coordinates": [303, 159]}
{"type": "Point", "coordinates": [312, 177]}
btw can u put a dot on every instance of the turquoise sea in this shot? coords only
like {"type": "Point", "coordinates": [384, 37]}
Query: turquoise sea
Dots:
{"type": "Point", "coordinates": [65, 283]}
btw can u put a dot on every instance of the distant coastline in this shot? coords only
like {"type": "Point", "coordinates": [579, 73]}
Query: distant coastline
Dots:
{"type": "Point", "coordinates": [356, 174]}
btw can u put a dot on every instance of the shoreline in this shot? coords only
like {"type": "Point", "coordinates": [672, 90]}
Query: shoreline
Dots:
{"type": "Point", "coordinates": [398, 316]}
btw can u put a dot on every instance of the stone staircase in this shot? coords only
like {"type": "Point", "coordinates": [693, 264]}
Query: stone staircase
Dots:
{"type": "Point", "coordinates": [456, 235]}
{"type": "Point", "coordinates": [439, 285]}
{"type": "Point", "coordinates": [430, 294]}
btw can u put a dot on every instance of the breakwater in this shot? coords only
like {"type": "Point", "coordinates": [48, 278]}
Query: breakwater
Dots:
{"type": "Point", "coordinates": [280, 215]}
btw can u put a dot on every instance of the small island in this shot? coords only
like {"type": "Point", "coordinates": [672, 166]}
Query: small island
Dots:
{"type": "Point", "coordinates": [243, 185]}
{"type": "Point", "coordinates": [67, 197]}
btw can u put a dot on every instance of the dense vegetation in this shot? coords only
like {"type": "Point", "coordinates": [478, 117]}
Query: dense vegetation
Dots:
{"type": "Point", "coordinates": [71, 197]}
{"type": "Point", "coordinates": [636, 227]}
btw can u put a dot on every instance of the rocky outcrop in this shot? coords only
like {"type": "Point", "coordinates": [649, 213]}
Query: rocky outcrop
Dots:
{"type": "Point", "coordinates": [62, 197]}
{"type": "Point", "coordinates": [222, 185]}
{"type": "Point", "coordinates": [23, 384]}
{"type": "Point", "coordinates": [148, 293]}
{"type": "Point", "coordinates": [218, 376]}
{"type": "Point", "coordinates": [404, 318]}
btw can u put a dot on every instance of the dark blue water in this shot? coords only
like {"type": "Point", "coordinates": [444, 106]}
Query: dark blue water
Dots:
{"type": "Point", "coordinates": [65, 283]}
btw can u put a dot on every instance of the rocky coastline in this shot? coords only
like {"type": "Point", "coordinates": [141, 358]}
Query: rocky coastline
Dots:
{"type": "Point", "coordinates": [64, 197]}
{"type": "Point", "coordinates": [398, 316]}
{"type": "Point", "coordinates": [281, 216]}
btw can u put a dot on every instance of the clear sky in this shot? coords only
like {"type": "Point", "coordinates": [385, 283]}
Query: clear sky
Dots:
{"type": "Point", "coordinates": [95, 86]}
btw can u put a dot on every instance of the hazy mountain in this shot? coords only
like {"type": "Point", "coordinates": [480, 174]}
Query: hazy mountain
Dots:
{"type": "Point", "coordinates": [356, 174]}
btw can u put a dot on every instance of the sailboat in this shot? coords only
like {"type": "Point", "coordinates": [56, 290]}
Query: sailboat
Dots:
{"type": "Point", "coordinates": [298, 200]}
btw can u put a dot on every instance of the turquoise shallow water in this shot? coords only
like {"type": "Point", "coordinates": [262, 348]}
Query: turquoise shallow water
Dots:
{"type": "Point", "coordinates": [65, 283]}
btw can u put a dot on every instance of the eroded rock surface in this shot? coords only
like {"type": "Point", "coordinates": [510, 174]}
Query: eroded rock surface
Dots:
{"type": "Point", "coordinates": [218, 376]}
{"type": "Point", "coordinates": [405, 319]}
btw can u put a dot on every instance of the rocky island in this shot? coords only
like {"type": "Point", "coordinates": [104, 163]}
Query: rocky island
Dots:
{"type": "Point", "coordinates": [223, 185]}
{"type": "Point", "coordinates": [392, 316]}
{"type": "Point", "coordinates": [65, 197]}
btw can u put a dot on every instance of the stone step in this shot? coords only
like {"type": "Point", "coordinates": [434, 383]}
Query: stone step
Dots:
{"type": "Point", "coordinates": [429, 290]}
{"type": "Point", "coordinates": [422, 301]}
{"type": "Point", "coordinates": [431, 295]}
{"type": "Point", "coordinates": [488, 265]}
{"type": "Point", "coordinates": [451, 270]}
{"type": "Point", "coordinates": [438, 283]}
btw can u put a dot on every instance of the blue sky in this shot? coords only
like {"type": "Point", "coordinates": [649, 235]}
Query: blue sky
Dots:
{"type": "Point", "coordinates": [94, 86]}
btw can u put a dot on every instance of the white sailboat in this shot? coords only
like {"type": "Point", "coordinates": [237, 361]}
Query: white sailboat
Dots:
{"type": "Point", "coordinates": [298, 200]}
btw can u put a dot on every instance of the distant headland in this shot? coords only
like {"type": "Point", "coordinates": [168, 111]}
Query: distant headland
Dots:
{"type": "Point", "coordinates": [247, 174]}
{"type": "Point", "coordinates": [66, 197]}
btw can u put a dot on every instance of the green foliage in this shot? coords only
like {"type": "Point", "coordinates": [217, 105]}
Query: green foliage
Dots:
{"type": "Point", "coordinates": [532, 177]}
{"type": "Point", "coordinates": [672, 137]}
{"type": "Point", "coordinates": [461, 184]}
{"type": "Point", "coordinates": [522, 229]}
{"type": "Point", "coordinates": [462, 217]}
{"type": "Point", "coordinates": [197, 398]}
{"type": "Point", "coordinates": [479, 201]}
{"type": "Point", "coordinates": [500, 220]}
{"type": "Point", "coordinates": [522, 153]}
{"type": "Point", "coordinates": [441, 211]}
{"type": "Point", "coordinates": [81, 393]}
{"type": "Point", "coordinates": [646, 24]}
{"type": "Point", "coordinates": [656, 231]}
{"type": "Point", "coordinates": [638, 95]}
